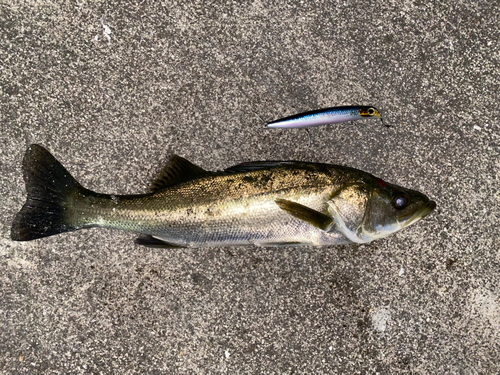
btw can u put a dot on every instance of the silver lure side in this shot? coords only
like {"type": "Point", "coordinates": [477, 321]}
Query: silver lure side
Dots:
{"type": "Point", "coordinates": [325, 116]}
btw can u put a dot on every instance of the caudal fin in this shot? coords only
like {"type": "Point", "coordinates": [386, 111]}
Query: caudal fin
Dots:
{"type": "Point", "coordinates": [49, 186]}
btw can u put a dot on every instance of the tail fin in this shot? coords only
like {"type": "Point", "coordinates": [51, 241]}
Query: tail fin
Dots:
{"type": "Point", "coordinates": [49, 185]}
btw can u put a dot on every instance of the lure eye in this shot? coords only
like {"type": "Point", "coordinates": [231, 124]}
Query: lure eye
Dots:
{"type": "Point", "coordinates": [400, 201]}
{"type": "Point", "coordinates": [368, 112]}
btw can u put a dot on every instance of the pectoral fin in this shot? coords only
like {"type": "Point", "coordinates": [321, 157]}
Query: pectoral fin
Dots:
{"type": "Point", "coordinates": [306, 214]}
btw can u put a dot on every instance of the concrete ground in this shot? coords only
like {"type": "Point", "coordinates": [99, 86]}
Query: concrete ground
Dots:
{"type": "Point", "coordinates": [113, 88]}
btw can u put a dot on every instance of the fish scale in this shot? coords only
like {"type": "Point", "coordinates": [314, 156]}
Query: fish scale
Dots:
{"type": "Point", "coordinates": [188, 214]}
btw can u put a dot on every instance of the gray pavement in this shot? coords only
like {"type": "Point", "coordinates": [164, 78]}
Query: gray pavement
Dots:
{"type": "Point", "coordinates": [114, 88]}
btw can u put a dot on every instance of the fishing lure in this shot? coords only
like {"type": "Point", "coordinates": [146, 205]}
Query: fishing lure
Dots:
{"type": "Point", "coordinates": [325, 116]}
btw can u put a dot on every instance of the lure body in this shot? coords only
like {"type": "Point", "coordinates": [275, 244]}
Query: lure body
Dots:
{"type": "Point", "coordinates": [325, 116]}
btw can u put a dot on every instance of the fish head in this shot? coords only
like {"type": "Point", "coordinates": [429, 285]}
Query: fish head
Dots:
{"type": "Point", "coordinates": [369, 112]}
{"type": "Point", "coordinates": [371, 209]}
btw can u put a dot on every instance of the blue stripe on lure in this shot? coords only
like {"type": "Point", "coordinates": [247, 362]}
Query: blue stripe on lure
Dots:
{"type": "Point", "coordinates": [325, 116]}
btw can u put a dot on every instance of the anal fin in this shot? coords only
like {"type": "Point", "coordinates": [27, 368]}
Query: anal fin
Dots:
{"type": "Point", "coordinates": [306, 214]}
{"type": "Point", "coordinates": [150, 241]}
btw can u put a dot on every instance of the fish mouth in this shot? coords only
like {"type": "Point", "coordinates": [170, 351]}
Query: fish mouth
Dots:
{"type": "Point", "coordinates": [420, 214]}
{"type": "Point", "coordinates": [428, 209]}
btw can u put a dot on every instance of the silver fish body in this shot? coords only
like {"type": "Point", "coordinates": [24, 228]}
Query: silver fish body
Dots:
{"type": "Point", "coordinates": [260, 203]}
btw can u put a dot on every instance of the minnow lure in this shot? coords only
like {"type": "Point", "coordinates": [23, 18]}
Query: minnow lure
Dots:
{"type": "Point", "coordinates": [325, 116]}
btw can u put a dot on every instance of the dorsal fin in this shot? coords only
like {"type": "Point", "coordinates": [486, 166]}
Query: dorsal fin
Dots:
{"type": "Point", "coordinates": [176, 171]}
{"type": "Point", "coordinates": [255, 166]}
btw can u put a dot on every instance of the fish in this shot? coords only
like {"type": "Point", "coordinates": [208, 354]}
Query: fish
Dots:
{"type": "Point", "coordinates": [265, 203]}
{"type": "Point", "coordinates": [325, 116]}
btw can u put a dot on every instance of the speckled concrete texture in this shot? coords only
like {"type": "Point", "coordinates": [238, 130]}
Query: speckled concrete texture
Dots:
{"type": "Point", "coordinates": [113, 88]}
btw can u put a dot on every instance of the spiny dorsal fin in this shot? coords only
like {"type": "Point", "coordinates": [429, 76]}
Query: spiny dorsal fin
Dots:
{"type": "Point", "coordinates": [176, 171]}
{"type": "Point", "coordinates": [306, 214]}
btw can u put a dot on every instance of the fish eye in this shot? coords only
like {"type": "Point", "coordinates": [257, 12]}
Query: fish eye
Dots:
{"type": "Point", "coordinates": [371, 111]}
{"type": "Point", "coordinates": [400, 201]}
